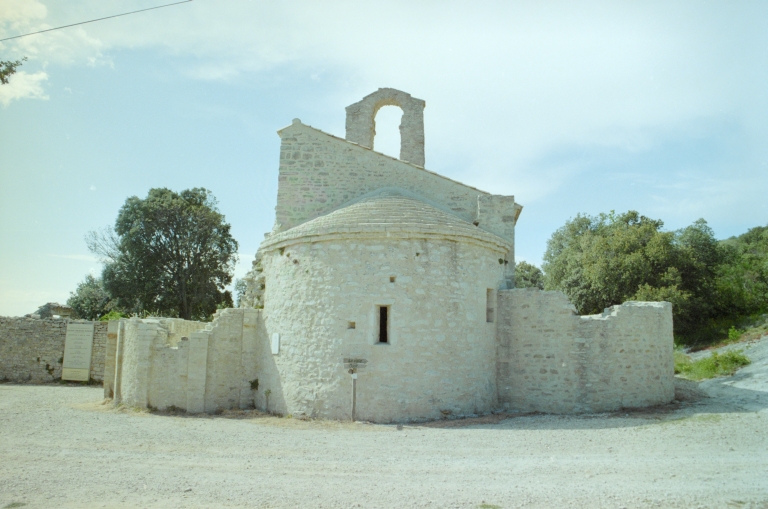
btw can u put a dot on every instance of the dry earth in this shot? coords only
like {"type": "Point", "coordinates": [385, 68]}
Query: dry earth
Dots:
{"type": "Point", "coordinates": [61, 447]}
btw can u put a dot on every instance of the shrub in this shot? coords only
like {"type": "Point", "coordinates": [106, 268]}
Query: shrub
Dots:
{"type": "Point", "coordinates": [113, 315]}
{"type": "Point", "coordinates": [734, 334]}
{"type": "Point", "coordinates": [724, 364]}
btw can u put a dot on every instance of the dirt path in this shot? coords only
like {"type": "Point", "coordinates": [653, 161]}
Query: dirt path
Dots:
{"type": "Point", "coordinates": [60, 448]}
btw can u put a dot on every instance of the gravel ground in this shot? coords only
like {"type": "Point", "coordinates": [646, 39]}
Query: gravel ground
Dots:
{"type": "Point", "coordinates": [63, 447]}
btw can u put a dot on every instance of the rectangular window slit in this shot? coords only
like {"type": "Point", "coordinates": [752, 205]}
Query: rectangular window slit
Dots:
{"type": "Point", "coordinates": [383, 324]}
{"type": "Point", "coordinates": [391, 279]}
{"type": "Point", "coordinates": [350, 325]}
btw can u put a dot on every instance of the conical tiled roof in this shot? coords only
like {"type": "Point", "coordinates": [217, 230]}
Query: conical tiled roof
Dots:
{"type": "Point", "coordinates": [386, 214]}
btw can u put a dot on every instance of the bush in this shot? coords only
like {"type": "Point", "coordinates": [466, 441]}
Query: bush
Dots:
{"type": "Point", "coordinates": [113, 315]}
{"type": "Point", "coordinates": [90, 300]}
{"type": "Point", "coordinates": [734, 334]}
{"type": "Point", "coordinates": [612, 258]}
{"type": "Point", "coordinates": [528, 276]}
{"type": "Point", "coordinates": [725, 364]}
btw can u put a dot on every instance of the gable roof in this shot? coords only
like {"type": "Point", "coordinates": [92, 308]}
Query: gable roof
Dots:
{"type": "Point", "coordinates": [298, 123]}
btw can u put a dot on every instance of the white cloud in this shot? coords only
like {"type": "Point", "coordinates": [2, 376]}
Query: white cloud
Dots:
{"type": "Point", "coordinates": [19, 13]}
{"type": "Point", "coordinates": [505, 82]}
{"type": "Point", "coordinates": [24, 86]}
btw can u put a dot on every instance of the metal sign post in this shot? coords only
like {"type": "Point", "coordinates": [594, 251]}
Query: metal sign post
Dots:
{"type": "Point", "coordinates": [354, 395]}
{"type": "Point", "coordinates": [352, 365]}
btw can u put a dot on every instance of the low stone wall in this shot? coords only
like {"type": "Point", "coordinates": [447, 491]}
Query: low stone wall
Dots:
{"type": "Point", "coordinates": [194, 366]}
{"type": "Point", "coordinates": [99, 352]}
{"type": "Point", "coordinates": [32, 349]}
{"type": "Point", "coordinates": [548, 359]}
{"type": "Point", "coordinates": [552, 360]}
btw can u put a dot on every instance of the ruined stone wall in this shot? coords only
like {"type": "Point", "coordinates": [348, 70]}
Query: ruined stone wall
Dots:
{"type": "Point", "coordinates": [32, 349]}
{"type": "Point", "coordinates": [322, 300]}
{"type": "Point", "coordinates": [109, 359]}
{"type": "Point", "coordinates": [552, 360]}
{"type": "Point", "coordinates": [320, 172]}
{"type": "Point", "coordinates": [160, 363]}
{"type": "Point", "coordinates": [99, 351]}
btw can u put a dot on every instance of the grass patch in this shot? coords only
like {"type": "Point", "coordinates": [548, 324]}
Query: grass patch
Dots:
{"type": "Point", "coordinates": [724, 364]}
{"type": "Point", "coordinates": [14, 504]}
{"type": "Point", "coordinates": [489, 506]}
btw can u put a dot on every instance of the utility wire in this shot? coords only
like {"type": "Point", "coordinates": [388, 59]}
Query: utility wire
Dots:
{"type": "Point", "coordinates": [91, 21]}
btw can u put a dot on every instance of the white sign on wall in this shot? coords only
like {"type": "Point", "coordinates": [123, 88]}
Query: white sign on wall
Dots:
{"type": "Point", "coordinates": [275, 343]}
{"type": "Point", "coordinates": [78, 346]}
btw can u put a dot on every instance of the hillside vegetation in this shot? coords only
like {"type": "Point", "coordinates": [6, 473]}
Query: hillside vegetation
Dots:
{"type": "Point", "coordinates": [714, 286]}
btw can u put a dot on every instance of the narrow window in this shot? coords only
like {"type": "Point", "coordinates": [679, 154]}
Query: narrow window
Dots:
{"type": "Point", "coordinates": [383, 324]}
{"type": "Point", "coordinates": [391, 279]}
{"type": "Point", "coordinates": [489, 294]}
{"type": "Point", "coordinates": [350, 325]}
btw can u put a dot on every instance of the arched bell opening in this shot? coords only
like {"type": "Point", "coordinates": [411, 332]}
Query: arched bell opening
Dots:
{"type": "Point", "coordinates": [361, 122]}
{"type": "Point", "coordinates": [387, 138]}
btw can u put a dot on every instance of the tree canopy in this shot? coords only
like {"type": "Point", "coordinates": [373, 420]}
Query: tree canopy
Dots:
{"type": "Point", "coordinates": [528, 276]}
{"type": "Point", "coordinates": [744, 281]}
{"type": "Point", "coordinates": [90, 301]}
{"type": "Point", "coordinates": [609, 259]}
{"type": "Point", "coordinates": [8, 68]}
{"type": "Point", "coordinates": [171, 254]}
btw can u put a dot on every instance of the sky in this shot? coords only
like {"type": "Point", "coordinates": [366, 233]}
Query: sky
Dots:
{"type": "Point", "coordinates": [572, 107]}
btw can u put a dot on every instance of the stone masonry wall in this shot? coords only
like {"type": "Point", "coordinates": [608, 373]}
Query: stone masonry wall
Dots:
{"type": "Point", "coordinates": [32, 349]}
{"type": "Point", "coordinates": [320, 172]}
{"type": "Point", "coordinates": [552, 360]}
{"type": "Point", "coordinates": [322, 302]}
{"type": "Point", "coordinates": [361, 123]}
{"type": "Point", "coordinates": [194, 366]}
{"type": "Point", "coordinates": [109, 359]}
{"type": "Point", "coordinates": [99, 352]}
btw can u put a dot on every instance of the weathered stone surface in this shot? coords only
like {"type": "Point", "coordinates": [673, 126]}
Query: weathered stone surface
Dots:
{"type": "Point", "coordinates": [440, 352]}
{"type": "Point", "coordinates": [32, 349]}
{"type": "Point", "coordinates": [361, 123]}
{"type": "Point", "coordinates": [552, 360]}
{"type": "Point", "coordinates": [320, 173]}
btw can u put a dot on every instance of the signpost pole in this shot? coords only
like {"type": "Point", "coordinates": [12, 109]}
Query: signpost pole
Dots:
{"type": "Point", "coordinates": [352, 364]}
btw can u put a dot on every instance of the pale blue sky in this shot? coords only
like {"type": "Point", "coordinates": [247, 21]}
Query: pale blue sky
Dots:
{"type": "Point", "coordinates": [658, 107]}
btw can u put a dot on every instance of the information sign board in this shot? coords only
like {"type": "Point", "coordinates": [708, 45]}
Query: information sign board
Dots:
{"type": "Point", "coordinates": [78, 346]}
{"type": "Point", "coordinates": [354, 364]}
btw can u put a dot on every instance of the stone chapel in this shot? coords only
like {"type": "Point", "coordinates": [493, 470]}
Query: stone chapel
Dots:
{"type": "Point", "coordinates": [385, 292]}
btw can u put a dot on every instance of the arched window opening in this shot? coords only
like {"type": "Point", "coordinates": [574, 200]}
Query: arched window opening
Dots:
{"type": "Point", "coordinates": [387, 125]}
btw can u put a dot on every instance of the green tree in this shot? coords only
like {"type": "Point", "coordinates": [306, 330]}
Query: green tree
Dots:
{"type": "Point", "coordinates": [8, 68]}
{"type": "Point", "coordinates": [240, 288]}
{"type": "Point", "coordinates": [743, 282]}
{"type": "Point", "coordinates": [609, 259]}
{"type": "Point", "coordinates": [90, 301]}
{"type": "Point", "coordinates": [528, 276]}
{"type": "Point", "coordinates": [170, 254]}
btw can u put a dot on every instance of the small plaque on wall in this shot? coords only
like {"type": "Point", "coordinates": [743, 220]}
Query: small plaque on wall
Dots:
{"type": "Point", "coordinates": [275, 343]}
{"type": "Point", "coordinates": [78, 346]}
